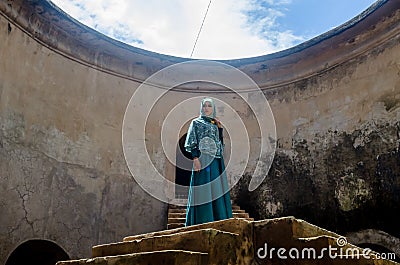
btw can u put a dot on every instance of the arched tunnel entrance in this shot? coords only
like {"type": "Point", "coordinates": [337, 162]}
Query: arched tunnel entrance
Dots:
{"type": "Point", "coordinates": [378, 241]}
{"type": "Point", "coordinates": [384, 252]}
{"type": "Point", "coordinates": [37, 251]}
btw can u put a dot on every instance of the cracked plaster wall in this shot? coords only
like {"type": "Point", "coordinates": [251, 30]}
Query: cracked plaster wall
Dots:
{"type": "Point", "coordinates": [63, 176]}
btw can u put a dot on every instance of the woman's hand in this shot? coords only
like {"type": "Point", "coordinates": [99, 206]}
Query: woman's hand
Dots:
{"type": "Point", "coordinates": [197, 164]}
{"type": "Point", "coordinates": [218, 122]}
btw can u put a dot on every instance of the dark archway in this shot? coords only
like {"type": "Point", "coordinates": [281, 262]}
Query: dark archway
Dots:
{"type": "Point", "coordinates": [384, 252]}
{"type": "Point", "coordinates": [37, 251]}
{"type": "Point", "coordinates": [378, 241]}
{"type": "Point", "coordinates": [182, 175]}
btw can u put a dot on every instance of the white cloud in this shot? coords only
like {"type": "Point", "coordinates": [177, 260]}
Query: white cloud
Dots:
{"type": "Point", "coordinates": [233, 28]}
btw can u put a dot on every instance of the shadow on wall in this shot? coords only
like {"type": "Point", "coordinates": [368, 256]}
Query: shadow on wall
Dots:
{"type": "Point", "coordinates": [182, 174]}
{"type": "Point", "coordinates": [37, 251]}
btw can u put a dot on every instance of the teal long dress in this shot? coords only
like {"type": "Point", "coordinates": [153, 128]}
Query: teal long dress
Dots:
{"type": "Point", "coordinates": [214, 210]}
{"type": "Point", "coordinates": [208, 198]}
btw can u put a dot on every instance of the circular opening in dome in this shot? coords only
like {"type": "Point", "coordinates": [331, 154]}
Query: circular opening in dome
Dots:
{"type": "Point", "coordinates": [211, 29]}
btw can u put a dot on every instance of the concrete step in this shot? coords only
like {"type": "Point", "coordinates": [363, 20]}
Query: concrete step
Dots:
{"type": "Point", "coordinates": [176, 215]}
{"type": "Point", "coordinates": [183, 219]}
{"type": "Point", "coordinates": [233, 241]}
{"type": "Point", "coordinates": [218, 244]}
{"type": "Point", "coordinates": [180, 207]}
{"type": "Point", "coordinates": [196, 240]}
{"type": "Point", "coordinates": [177, 206]}
{"type": "Point", "coordinates": [175, 225]}
{"type": "Point", "coordinates": [183, 214]}
{"type": "Point", "coordinates": [241, 215]}
{"type": "Point", "coordinates": [232, 225]}
{"type": "Point", "coordinates": [176, 220]}
{"type": "Point", "coordinates": [176, 210]}
{"type": "Point", "coordinates": [175, 257]}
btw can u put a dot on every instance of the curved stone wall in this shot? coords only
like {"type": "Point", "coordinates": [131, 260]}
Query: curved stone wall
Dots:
{"type": "Point", "coordinates": [63, 93]}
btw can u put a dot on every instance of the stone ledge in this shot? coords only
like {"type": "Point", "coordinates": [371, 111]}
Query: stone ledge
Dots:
{"type": "Point", "coordinates": [165, 257]}
{"type": "Point", "coordinates": [237, 241]}
{"type": "Point", "coordinates": [51, 27]}
{"type": "Point", "coordinates": [203, 240]}
{"type": "Point", "coordinates": [233, 225]}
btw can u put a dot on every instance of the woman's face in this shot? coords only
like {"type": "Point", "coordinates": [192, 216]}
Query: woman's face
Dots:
{"type": "Point", "coordinates": [207, 108]}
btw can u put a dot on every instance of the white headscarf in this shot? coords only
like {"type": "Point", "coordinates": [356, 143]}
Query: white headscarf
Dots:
{"type": "Point", "coordinates": [202, 114]}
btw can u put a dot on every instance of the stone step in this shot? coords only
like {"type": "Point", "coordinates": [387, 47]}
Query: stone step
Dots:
{"type": "Point", "coordinates": [183, 214]}
{"type": "Point", "coordinates": [241, 215]}
{"type": "Point", "coordinates": [183, 219]}
{"type": "Point", "coordinates": [313, 242]}
{"type": "Point", "coordinates": [176, 220]}
{"type": "Point", "coordinates": [183, 208]}
{"type": "Point", "coordinates": [172, 220]}
{"type": "Point", "coordinates": [175, 225]}
{"type": "Point", "coordinates": [218, 244]}
{"type": "Point", "coordinates": [176, 215]}
{"type": "Point", "coordinates": [173, 257]}
{"type": "Point", "coordinates": [178, 206]}
{"type": "Point", "coordinates": [185, 204]}
{"type": "Point", "coordinates": [233, 241]}
{"type": "Point", "coordinates": [177, 241]}
{"type": "Point", "coordinates": [181, 223]}
{"type": "Point", "coordinates": [176, 210]}
{"type": "Point", "coordinates": [232, 225]}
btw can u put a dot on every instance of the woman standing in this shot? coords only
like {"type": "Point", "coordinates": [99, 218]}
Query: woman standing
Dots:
{"type": "Point", "coordinates": [209, 198]}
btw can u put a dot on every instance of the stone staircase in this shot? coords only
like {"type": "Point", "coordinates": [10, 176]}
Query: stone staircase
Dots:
{"type": "Point", "coordinates": [232, 241]}
{"type": "Point", "coordinates": [177, 214]}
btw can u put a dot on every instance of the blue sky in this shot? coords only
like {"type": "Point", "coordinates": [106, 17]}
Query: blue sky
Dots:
{"type": "Point", "coordinates": [315, 17]}
{"type": "Point", "coordinates": [232, 29]}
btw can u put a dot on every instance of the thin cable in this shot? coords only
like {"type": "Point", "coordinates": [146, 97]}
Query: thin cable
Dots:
{"type": "Point", "coordinates": [202, 23]}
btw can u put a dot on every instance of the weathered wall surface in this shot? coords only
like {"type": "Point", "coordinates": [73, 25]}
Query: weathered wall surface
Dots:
{"type": "Point", "coordinates": [63, 175]}
{"type": "Point", "coordinates": [337, 160]}
{"type": "Point", "coordinates": [337, 163]}
{"type": "Point", "coordinates": [64, 90]}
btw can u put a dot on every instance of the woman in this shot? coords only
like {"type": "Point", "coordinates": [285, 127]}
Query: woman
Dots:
{"type": "Point", "coordinates": [209, 198]}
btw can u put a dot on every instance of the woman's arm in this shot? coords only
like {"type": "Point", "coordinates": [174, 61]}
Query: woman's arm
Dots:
{"type": "Point", "coordinates": [191, 145]}
{"type": "Point", "coordinates": [220, 130]}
